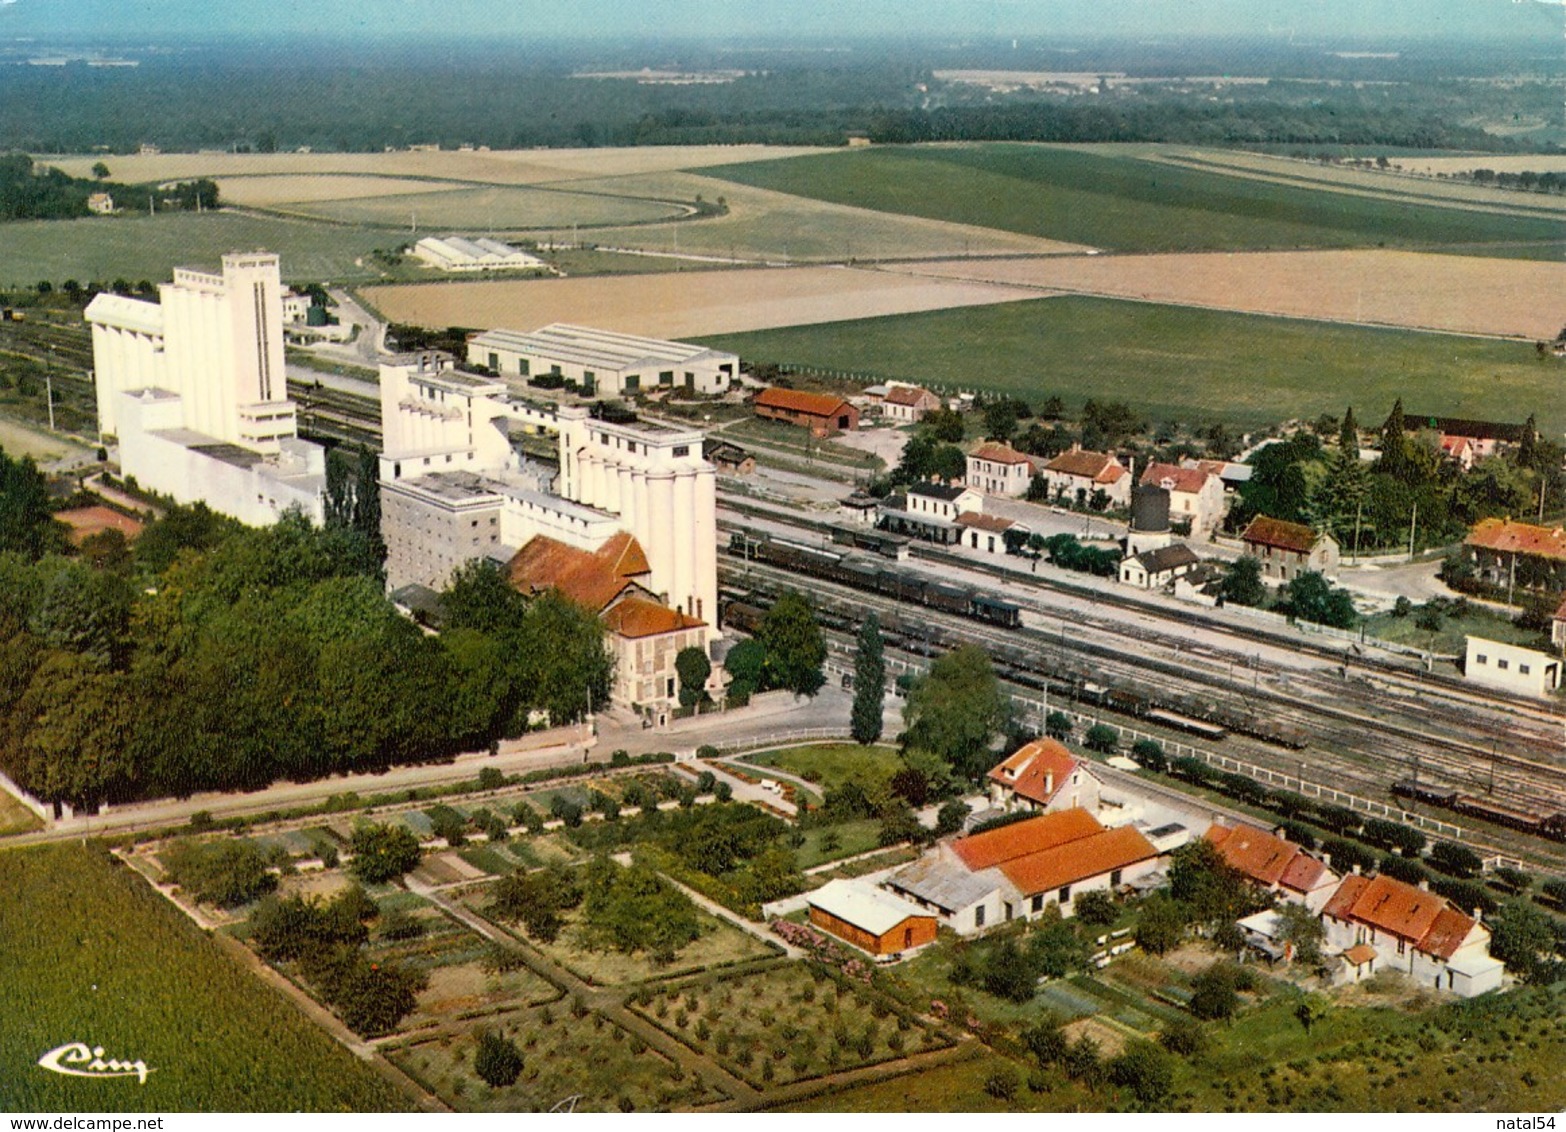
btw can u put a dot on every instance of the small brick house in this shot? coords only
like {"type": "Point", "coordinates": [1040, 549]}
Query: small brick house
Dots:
{"type": "Point", "coordinates": [1287, 550]}
{"type": "Point", "coordinates": [870, 918]}
{"type": "Point", "coordinates": [822, 413]}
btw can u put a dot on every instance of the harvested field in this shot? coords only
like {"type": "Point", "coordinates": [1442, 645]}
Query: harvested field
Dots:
{"type": "Point", "coordinates": [269, 190]}
{"type": "Point", "coordinates": [775, 226]}
{"type": "Point", "coordinates": [1458, 294]}
{"type": "Point", "coordinates": [684, 303]}
{"type": "Point", "coordinates": [494, 207]}
{"type": "Point", "coordinates": [1501, 163]}
{"type": "Point", "coordinates": [500, 167]}
{"type": "Point", "coordinates": [18, 440]}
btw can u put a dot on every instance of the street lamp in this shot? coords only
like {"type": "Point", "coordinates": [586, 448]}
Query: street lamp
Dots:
{"type": "Point", "coordinates": [49, 386]}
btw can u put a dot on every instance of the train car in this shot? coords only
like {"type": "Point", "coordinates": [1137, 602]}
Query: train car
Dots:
{"type": "Point", "coordinates": [1185, 723]}
{"type": "Point", "coordinates": [1525, 820]}
{"type": "Point", "coordinates": [742, 616]}
{"type": "Point", "coordinates": [1427, 793]}
{"type": "Point", "coordinates": [882, 543]}
{"type": "Point", "coordinates": [996, 611]}
{"type": "Point", "coordinates": [948, 598]}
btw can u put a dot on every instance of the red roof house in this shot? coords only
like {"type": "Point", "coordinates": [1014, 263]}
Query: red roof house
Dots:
{"type": "Point", "coordinates": [1275, 863]}
{"type": "Point", "coordinates": [1043, 777]}
{"type": "Point", "coordinates": [822, 413]}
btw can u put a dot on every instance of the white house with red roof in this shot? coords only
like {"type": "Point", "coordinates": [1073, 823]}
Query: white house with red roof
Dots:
{"type": "Point", "coordinates": [1377, 923]}
{"type": "Point", "coordinates": [1018, 871]}
{"type": "Point", "coordinates": [1044, 777]}
{"type": "Point", "coordinates": [1276, 864]}
{"type": "Point", "coordinates": [999, 469]}
{"type": "Point", "coordinates": [907, 404]}
{"type": "Point", "coordinates": [1074, 476]}
{"type": "Point", "coordinates": [1195, 494]}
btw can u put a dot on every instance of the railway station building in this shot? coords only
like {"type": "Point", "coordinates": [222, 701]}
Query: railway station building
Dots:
{"type": "Point", "coordinates": [194, 391]}
{"type": "Point", "coordinates": [999, 469]}
{"type": "Point", "coordinates": [1511, 668]}
{"type": "Point", "coordinates": [603, 363]}
{"type": "Point", "coordinates": [1276, 864]}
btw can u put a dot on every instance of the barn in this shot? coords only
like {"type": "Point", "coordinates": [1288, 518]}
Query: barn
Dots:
{"type": "Point", "coordinates": [869, 918]}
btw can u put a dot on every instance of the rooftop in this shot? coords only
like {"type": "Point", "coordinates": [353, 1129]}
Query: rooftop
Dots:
{"type": "Point", "coordinates": [906, 395]}
{"type": "Point", "coordinates": [1032, 835]}
{"type": "Point", "coordinates": [1266, 858]}
{"type": "Point", "coordinates": [944, 883]}
{"type": "Point", "coordinates": [637, 617]}
{"type": "Point", "coordinates": [944, 491]}
{"type": "Point", "coordinates": [1507, 537]}
{"type": "Point", "coordinates": [125, 313]}
{"type": "Point", "coordinates": [998, 453]}
{"type": "Point", "coordinates": [799, 401]}
{"type": "Point", "coordinates": [992, 523]}
{"type": "Point", "coordinates": [1429, 921]}
{"type": "Point", "coordinates": [863, 905]}
{"type": "Point", "coordinates": [1266, 531]}
{"type": "Point", "coordinates": [1100, 467]}
{"type": "Point", "coordinates": [1077, 860]}
{"type": "Point", "coordinates": [1172, 477]}
{"type": "Point", "coordinates": [593, 579]}
{"type": "Point", "coordinates": [594, 348]}
{"type": "Point", "coordinates": [1167, 558]}
{"type": "Point", "coordinates": [1036, 771]}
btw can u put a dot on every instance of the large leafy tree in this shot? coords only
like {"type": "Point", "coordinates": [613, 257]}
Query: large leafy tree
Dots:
{"type": "Point", "coordinates": [956, 709]}
{"type": "Point", "coordinates": [26, 525]}
{"type": "Point", "coordinates": [795, 649]}
{"type": "Point", "coordinates": [869, 682]}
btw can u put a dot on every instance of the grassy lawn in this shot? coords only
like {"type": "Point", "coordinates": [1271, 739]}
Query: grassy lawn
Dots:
{"type": "Point", "coordinates": [563, 1056]}
{"type": "Point", "coordinates": [785, 1024]}
{"type": "Point", "coordinates": [488, 207]}
{"type": "Point", "coordinates": [92, 954]}
{"type": "Point", "coordinates": [792, 438]}
{"type": "Point", "coordinates": [15, 817]}
{"type": "Point", "coordinates": [1449, 638]}
{"type": "Point", "coordinates": [832, 764]}
{"type": "Point", "coordinates": [833, 842]}
{"type": "Point", "coordinates": [136, 247]}
{"type": "Point", "coordinates": [1120, 202]}
{"type": "Point", "coordinates": [1179, 363]}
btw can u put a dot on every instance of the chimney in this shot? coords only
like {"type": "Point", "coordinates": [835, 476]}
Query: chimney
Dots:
{"type": "Point", "coordinates": [1326, 859]}
{"type": "Point", "coordinates": [1049, 782]}
{"type": "Point", "coordinates": [1424, 884]}
{"type": "Point", "coordinates": [1281, 834]}
{"type": "Point", "coordinates": [1356, 868]}
{"type": "Point", "coordinates": [1478, 915]}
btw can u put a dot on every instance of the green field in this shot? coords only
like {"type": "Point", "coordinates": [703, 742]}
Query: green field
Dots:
{"type": "Point", "coordinates": [150, 247]}
{"type": "Point", "coordinates": [832, 764]}
{"type": "Point", "coordinates": [1123, 203]}
{"type": "Point", "coordinates": [1180, 363]}
{"type": "Point", "coordinates": [490, 207]}
{"type": "Point", "coordinates": [89, 953]}
{"type": "Point", "coordinates": [15, 817]}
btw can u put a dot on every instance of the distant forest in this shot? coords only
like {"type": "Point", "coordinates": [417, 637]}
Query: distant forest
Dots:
{"type": "Point", "coordinates": [256, 99]}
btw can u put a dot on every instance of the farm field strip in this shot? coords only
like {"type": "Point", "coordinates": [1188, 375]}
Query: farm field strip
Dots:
{"type": "Point", "coordinates": [1180, 363]}
{"type": "Point", "coordinates": [268, 190]}
{"type": "Point", "coordinates": [681, 304]}
{"type": "Point", "coordinates": [501, 167]}
{"type": "Point", "coordinates": [761, 223]}
{"type": "Point", "coordinates": [1126, 203]}
{"type": "Point", "coordinates": [1363, 182]}
{"type": "Point", "coordinates": [492, 207]}
{"type": "Point", "coordinates": [1423, 291]}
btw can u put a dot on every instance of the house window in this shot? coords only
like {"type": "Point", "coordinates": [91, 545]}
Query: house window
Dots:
{"type": "Point", "coordinates": [632, 383]}
{"type": "Point", "coordinates": [1400, 947]}
{"type": "Point", "coordinates": [1522, 670]}
{"type": "Point", "coordinates": [1038, 903]}
{"type": "Point", "coordinates": [682, 450]}
{"type": "Point", "coordinates": [522, 366]}
{"type": "Point", "coordinates": [1114, 879]}
{"type": "Point", "coordinates": [1065, 894]}
{"type": "Point", "coordinates": [666, 377]}
{"type": "Point", "coordinates": [978, 916]}
{"type": "Point", "coordinates": [1503, 664]}
{"type": "Point", "coordinates": [1481, 658]}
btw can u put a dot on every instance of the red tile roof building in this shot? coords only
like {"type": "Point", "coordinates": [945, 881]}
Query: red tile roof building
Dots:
{"type": "Point", "coordinates": [1074, 476]}
{"type": "Point", "coordinates": [908, 403]}
{"type": "Point", "coordinates": [1275, 863]}
{"type": "Point", "coordinates": [1511, 554]}
{"type": "Point", "coordinates": [1043, 777]}
{"type": "Point", "coordinates": [1195, 494]}
{"type": "Point", "coordinates": [822, 413]}
{"type": "Point", "coordinates": [1412, 930]}
{"type": "Point", "coordinates": [999, 469]}
{"type": "Point", "coordinates": [644, 634]}
{"type": "Point", "coordinates": [1019, 870]}
{"type": "Point", "coordinates": [1287, 550]}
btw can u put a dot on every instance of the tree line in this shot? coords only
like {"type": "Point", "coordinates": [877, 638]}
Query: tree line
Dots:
{"type": "Point", "coordinates": [213, 656]}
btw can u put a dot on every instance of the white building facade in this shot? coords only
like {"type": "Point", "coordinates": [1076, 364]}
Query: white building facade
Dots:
{"type": "Point", "coordinates": [194, 388]}
{"type": "Point", "coordinates": [1511, 668]}
{"type": "Point", "coordinates": [603, 362]}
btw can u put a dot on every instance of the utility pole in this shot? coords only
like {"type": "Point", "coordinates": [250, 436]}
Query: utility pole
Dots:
{"type": "Point", "coordinates": [49, 386]}
{"type": "Point", "coordinates": [1359, 508]}
{"type": "Point", "coordinates": [1412, 520]}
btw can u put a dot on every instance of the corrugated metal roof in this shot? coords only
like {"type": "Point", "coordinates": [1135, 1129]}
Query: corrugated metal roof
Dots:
{"type": "Point", "coordinates": [863, 905]}
{"type": "Point", "coordinates": [944, 883]}
{"type": "Point", "coordinates": [594, 348]}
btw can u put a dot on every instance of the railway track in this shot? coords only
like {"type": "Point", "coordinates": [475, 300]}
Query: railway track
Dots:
{"type": "Point", "coordinates": [1376, 751]}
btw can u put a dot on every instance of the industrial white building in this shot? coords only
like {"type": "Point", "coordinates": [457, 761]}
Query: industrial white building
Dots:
{"type": "Point", "coordinates": [194, 388]}
{"type": "Point", "coordinates": [450, 473]}
{"type": "Point", "coordinates": [603, 362]}
{"type": "Point", "coordinates": [459, 253]}
{"type": "Point", "coordinates": [1511, 668]}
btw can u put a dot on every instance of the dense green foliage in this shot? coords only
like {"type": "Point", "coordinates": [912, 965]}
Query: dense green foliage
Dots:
{"type": "Point", "coordinates": [536, 900]}
{"type": "Point", "coordinates": [223, 657]}
{"type": "Point", "coordinates": [795, 650]}
{"type": "Point", "coordinates": [634, 909]}
{"type": "Point", "coordinates": [26, 526]}
{"type": "Point", "coordinates": [91, 952]}
{"type": "Point", "coordinates": [497, 1061]}
{"type": "Point", "coordinates": [955, 710]}
{"type": "Point", "coordinates": [383, 853]}
{"type": "Point", "coordinates": [869, 682]}
{"type": "Point", "coordinates": [227, 872]}
{"type": "Point", "coordinates": [32, 193]}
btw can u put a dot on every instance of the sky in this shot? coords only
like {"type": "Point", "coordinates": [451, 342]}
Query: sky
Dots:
{"type": "Point", "coordinates": [156, 20]}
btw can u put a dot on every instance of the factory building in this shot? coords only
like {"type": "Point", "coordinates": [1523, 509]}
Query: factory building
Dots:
{"type": "Point", "coordinates": [602, 362]}
{"type": "Point", "coordinates": [480, 253]}
{"type": "Point", "coordinates": [194, 389]}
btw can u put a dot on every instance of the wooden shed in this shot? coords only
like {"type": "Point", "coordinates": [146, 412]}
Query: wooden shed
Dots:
{"type": "Point", "coordinates": [870, 918]}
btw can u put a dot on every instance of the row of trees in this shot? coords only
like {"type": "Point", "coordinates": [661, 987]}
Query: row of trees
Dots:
{"type": "Point", "coordinates": [219, 657]}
